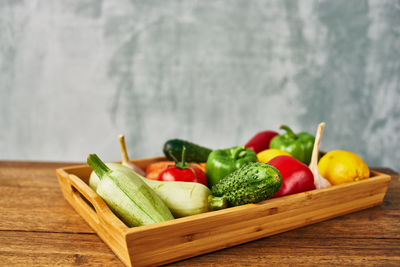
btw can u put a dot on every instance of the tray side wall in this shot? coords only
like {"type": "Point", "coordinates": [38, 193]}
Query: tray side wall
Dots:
{"type": "Point", "coordinates": [195, 235]}
{"type": "Point", "coordinates": [81, 198]}
{"type": "Point", "coordinates": [188, 237]}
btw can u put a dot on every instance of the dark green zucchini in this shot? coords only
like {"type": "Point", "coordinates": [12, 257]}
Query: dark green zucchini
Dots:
{"type": "Point", "coordinates": [194, 153]}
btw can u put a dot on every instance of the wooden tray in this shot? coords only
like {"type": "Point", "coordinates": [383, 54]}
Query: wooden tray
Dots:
{"type": "Point", "coordinates": [183, 238]}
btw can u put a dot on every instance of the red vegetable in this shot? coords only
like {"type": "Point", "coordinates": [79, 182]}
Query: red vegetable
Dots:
{"type": "Point", "coordinates": [296, 176]}
{"type": "Point", "coordinates": [261, 140]}
{"type": "Point", "coordinates": [183, 172]}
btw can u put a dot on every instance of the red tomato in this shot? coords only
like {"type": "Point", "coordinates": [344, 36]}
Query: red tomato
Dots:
{"type": "Point", "coordinates": [192, 173]}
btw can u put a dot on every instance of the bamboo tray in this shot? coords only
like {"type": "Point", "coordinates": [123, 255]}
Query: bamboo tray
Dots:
{"type": "Point", "coordinates": [183, 238]}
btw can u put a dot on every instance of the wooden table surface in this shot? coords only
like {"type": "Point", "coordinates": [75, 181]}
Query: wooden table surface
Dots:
{"type": "Point", "coordinates": [39, 228]}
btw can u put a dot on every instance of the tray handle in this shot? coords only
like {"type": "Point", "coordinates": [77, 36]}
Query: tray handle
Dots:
{"type": "Point", "coordinates": [92, 204]}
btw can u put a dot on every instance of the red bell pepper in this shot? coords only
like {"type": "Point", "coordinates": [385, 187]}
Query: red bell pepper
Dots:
{"type": "Point", "coordinates": [296, 176]}
{"type": "Point", "coordinates": [183, 172]}
{"type": "Point", "coordinates": [261, 140]}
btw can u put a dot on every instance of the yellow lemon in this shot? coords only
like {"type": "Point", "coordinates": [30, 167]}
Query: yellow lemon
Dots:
{"type": "Point", "coordinates": [339, 167]}
{"type": "Point", "coordinates": [268, 154]}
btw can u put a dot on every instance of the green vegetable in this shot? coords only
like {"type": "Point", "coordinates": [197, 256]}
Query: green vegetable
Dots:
{"type": "Point", "coordinates": [299, 145]}
{"type": "Point", "coordinates": [252, 183]}
{"type": "Point", "coordinates": [194, 153]}
{"type": "Point", "coordinates": [222, 162]}
{"type": "Point", "coordinates": [132, 200]}
{"type": "Point", "coordinates": [182, 198]}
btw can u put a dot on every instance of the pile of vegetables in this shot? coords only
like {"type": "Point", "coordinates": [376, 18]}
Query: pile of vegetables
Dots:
{"type": "Point", "coordinates": [194, 179]}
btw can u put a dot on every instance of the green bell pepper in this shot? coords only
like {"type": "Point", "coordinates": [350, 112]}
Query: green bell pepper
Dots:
{"type": "Point", "coordinates": [222, 162]}
{"type": "Point", "coordinates": [299, 145]}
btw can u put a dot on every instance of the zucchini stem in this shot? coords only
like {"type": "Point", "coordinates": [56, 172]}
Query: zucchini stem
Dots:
{"type": "Point", "coordinates": [97, 165]}
{"type": "Point", "coordinates": [216, 203]}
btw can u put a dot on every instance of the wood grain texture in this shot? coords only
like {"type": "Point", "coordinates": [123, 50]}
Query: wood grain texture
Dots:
{"type": "Point", "coordinates": [39, 228]}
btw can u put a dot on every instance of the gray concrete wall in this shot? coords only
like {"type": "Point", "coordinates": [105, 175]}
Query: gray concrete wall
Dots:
{"type": "Point", "coordinates": [75, 74]}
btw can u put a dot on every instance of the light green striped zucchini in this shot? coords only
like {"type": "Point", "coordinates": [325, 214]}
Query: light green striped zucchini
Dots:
{"type": "Point", "coordinates": [132, 200]}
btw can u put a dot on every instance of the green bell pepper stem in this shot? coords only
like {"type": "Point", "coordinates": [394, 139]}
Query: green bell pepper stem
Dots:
{"type": "Point", "coordinates": [289, 131]}
{"type": "Point", "coordinates": [237, 151]}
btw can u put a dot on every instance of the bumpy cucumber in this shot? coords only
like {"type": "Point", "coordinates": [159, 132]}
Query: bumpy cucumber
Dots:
{"type": "Point", "coordinates": [252, 183]}
{"type": "Point", "coordinates": [132, 200]}
{"type": "Point", "coordinates": [194, 152]}
{"type": "Point", "coordinates": [182, 198]}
